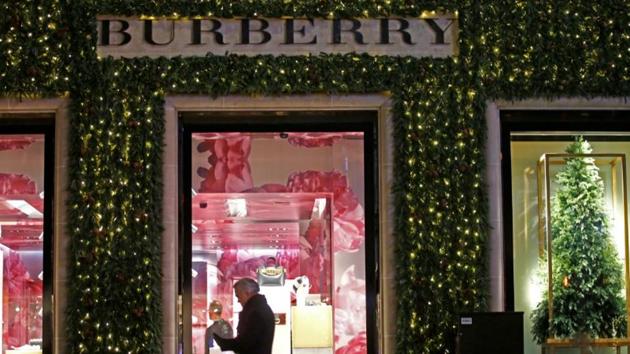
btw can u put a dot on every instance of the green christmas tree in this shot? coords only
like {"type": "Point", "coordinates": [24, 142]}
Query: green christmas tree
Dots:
{"type": "Point", "coordinates": [587, 273]}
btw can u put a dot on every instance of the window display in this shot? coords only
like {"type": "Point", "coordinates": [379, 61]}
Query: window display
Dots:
{"type": "Point", "coordinates": [22, 242]}
{"type": "Point", "coordinates": [570, 222]}
{"type": "Point", "coordinates": [286, 209]}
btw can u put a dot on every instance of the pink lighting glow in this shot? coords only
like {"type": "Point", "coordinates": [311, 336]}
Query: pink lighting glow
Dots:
{"type": "Point", "coordinates": [294, 197]}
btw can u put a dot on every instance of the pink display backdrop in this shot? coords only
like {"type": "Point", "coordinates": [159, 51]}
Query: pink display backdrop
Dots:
{"type": "Point", "coordinates": [21, 216]}
{"type": "Point", "coordinates": [279, 176]}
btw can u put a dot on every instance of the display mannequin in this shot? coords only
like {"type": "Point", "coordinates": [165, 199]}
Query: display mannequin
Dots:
{"type": "Point", "coordinates": [220, 327]}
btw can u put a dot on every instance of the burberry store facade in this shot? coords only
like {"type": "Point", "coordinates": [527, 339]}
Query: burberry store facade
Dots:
{"type": "Point", "coordinates": [375, 168]}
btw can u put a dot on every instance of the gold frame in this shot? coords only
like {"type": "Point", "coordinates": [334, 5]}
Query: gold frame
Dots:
{"type": "Point", "coordinates": [545, 237]}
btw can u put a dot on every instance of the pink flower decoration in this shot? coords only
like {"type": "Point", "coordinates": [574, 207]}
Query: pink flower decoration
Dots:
{"type": "Point", "coordinates": [290, 260]}
{"type": "Point", "coordinates": [16, 184]}
{"type": "Point", "coordinates": [229, 166]}
{"type": "Point", "coordinates": [314, 264]}
{"type": "Point", "coordinates": [350, 317]}
{"type": "Point", "coordinates": [348, 215]}
{"type": "Point", "coordinates": [15, 143]}
{"type": "Point", "coordinates": [268, 188]}
{"type": "Point", "coordinates": [18, 291]}
{"type": "Point", "coordinates": [358, 345]}
{"type": "Point", "coordinates": [312, 140]}
{"type": "Point", "coordinates": [349, 228]}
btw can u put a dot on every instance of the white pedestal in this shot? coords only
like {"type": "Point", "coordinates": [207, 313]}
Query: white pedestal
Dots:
{"type": "Point", "coordinates": [279, 299]}
{"type": "Point", "coordinates": [308, 320]}
{"type": "Point", "coordinates": [312, 350]}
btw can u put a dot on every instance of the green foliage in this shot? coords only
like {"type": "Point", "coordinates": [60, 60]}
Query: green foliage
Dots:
{"type": "Point", "coordinates": [506, 50]}
{"type": "Point", "coordinates": [33, 48]}
{"type": "Point", "coordinates": [587, 277]}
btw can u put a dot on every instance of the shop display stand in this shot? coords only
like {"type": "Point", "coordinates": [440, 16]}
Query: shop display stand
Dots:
{"type": "Point", "coordinates": [584, 345]}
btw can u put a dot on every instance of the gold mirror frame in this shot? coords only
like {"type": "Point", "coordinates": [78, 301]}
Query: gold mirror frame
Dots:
{"type": "Point", "coordinates": [544, 230]}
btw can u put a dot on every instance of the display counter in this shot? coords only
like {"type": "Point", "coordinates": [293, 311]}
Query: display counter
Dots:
{"type": "Point", "coordinates": [307, 320]}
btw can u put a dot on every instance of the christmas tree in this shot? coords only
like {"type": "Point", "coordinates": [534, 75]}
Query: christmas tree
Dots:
{"type": "Point", "coordinates": [587, 275]}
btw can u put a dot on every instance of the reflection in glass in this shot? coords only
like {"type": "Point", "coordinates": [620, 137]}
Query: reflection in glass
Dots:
{"type": "Point", "coordinates": [21, 241]}
{"type": "Point", "coordinates": [285, 209]}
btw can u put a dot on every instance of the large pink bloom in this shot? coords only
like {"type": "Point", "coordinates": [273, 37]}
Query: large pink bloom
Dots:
{"type": "Point", "coordinates": [312, 140]}
{"type": "Point", "coordinates": [229, 166]}
{"type": "Point", "coordinates": [350, 316]}
{"type": "Point", "coordinates": [18, 291]}
{"type": "Point", "coordinates": [16, 184]}
{"type": "Point", "coordinates": [314, 260]}
{"type": "Point", "coordinates": [15, 143]}
{"type": "Point", "coordinates": [358, 345]}
{"type": "Point", "coordinates": [348, 215]}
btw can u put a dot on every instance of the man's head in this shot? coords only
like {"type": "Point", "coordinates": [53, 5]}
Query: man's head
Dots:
{"type": "Point", "coordinates": [244, 289]}
{"type": "Point", "coordinates": [214, 310]}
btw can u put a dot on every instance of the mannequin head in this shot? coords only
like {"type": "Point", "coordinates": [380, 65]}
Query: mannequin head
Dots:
{"type": "Point", "coordinates": [214, 310]}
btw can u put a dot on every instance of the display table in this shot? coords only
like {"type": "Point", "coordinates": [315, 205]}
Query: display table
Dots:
{"type": "Point", "coordinates": [550, 346]}
{"type": "Point", "coordinates": [312, 326]}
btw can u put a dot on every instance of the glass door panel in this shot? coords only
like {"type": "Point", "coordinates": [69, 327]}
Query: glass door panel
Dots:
{"type": "Point", "coordinates": [267, 203]}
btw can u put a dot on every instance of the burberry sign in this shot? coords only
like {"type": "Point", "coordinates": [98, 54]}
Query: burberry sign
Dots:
{"type": "Point", "coordinates": [419, 37]}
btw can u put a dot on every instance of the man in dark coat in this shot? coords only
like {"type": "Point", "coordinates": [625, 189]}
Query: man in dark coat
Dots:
{"type": "Point", "coordinates": [256, 323]}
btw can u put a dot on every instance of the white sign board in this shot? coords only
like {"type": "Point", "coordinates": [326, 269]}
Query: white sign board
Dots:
{"type": "Point", "coordinates": [137, 37]}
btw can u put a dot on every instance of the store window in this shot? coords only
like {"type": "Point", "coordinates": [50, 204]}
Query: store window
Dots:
{"type": "Point", "coordinates": [567, 193]}
{"type": "Point", "coordinates": [288, 208]}
{"type": "Point", "coordinates": [25, 236]}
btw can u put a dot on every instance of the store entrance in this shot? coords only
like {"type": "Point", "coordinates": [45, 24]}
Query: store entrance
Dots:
{"type": "Point", "coordinates": [286, 199]}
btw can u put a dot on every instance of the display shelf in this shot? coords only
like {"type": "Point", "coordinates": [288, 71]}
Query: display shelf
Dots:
{"type": "Point", "coordinates": [550, 346]}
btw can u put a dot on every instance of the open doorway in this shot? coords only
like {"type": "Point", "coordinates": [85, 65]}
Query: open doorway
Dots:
{"type": "Point", "coordinates": [286, 198]}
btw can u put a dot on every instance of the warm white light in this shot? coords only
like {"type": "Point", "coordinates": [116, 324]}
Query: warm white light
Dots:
{"type": "Point", "coordinates": [319, 205]}
{"type": "Point", "coordinates": [535, 287]}
{"type": "Point", "coordinates": [237, 208]}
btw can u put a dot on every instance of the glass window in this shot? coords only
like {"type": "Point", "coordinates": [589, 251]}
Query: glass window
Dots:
{"type": "Point", "coordinates": [286, 209]}
{"type": "Point", "coordinates": [532, 207]}
{"type": "Point", "coordinates": [22, 241]}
